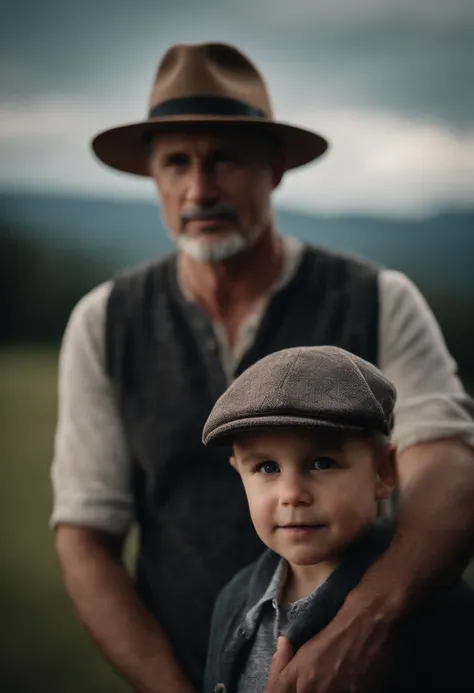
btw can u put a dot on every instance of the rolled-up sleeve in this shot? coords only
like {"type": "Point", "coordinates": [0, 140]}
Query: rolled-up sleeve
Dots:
{"type": "Point", "coordinates": [432, 403]}
{"type": "Point", "coordinates": [91, 471]}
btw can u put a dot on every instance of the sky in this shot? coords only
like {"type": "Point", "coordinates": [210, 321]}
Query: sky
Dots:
{"type": "Point", "coordinates": [388, 82]}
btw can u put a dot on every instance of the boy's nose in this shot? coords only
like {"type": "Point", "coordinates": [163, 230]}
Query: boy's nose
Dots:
{"type": "Point", "coordinates": [294, 490]}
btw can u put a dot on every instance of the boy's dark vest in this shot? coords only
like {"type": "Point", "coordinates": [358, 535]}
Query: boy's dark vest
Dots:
{"type": "Point", "coordinates": [163, 360]}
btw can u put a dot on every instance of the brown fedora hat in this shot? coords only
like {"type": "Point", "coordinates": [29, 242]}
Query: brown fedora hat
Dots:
{"type": "Point", "coordinates": [196, 85]}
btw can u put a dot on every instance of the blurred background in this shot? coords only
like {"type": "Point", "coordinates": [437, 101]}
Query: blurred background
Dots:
{"type": "Point", "coordinates": [389, 83]}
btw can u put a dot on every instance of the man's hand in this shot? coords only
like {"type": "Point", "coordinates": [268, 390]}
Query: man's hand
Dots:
{"type": "Point", "coordinates": [280, 661]}
{"type": "Point", "coordinates": [350, 654]}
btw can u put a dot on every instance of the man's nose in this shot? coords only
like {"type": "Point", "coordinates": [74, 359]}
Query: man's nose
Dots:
{"type": "Point", "coordinates": [201, 187]}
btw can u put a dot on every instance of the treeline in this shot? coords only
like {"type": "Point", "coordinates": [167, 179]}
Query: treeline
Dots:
{"type": "Point", "coordinates": [40, 283]}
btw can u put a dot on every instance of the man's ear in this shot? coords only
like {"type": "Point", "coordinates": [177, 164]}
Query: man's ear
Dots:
{"type": "Point", "coordinates": [386, 472]}
{"type": "Point", "coordinates": [233, 462]}
{"type": "Point", "coordinates": [278, 171]}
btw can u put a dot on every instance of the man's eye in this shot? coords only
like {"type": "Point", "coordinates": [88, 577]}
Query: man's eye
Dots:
{"type": "Point", "coordinates": [267, 468]}
{"type": "Point", "coordinates": [176, 160]}
{"type": "Point", "coordinates": [322, 463]}
{"type": "Point", "coordinates": [225, 158]}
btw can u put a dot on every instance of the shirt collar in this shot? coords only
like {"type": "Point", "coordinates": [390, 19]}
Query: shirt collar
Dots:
{"type": "Point", "coordinates": [272, 593]}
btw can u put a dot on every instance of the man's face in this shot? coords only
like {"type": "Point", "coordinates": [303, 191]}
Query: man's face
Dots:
{"type": "Point", "coordinates": [215, 191]}
{"type": "Point", "coordinates": [311, 494]}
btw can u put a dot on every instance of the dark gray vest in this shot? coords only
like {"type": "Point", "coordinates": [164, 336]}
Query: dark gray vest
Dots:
{"type": "Point", "coordinates": [163, 360]}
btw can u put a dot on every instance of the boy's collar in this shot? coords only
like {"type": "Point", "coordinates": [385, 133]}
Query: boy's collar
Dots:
{"type": "Point", "coordinates": [271, 594]}
{"type": "Point", "coordinates": [262, 574]}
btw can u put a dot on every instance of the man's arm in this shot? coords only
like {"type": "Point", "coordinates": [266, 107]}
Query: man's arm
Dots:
{"type": "Point", "coordinates": [434, 535]}
{"type": "Point", "coordinates": [93, 510]}
{"type": "Point", "coordinates": [434, 539]}
{"type": "Point", "coordinates": [434, 431]}
{"type": "Point", "coordinates": [110, 610]}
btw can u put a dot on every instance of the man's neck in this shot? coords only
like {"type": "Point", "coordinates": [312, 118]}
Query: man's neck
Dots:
{"type": "Point", "coordinates": [229, 290]}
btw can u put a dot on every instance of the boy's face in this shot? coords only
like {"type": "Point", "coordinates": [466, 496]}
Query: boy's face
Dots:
{"type": "Point", "coordinates": [310, 493]}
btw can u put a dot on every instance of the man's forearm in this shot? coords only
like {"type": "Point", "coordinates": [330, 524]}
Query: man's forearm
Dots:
{"type": "Point", "coordinates": [108, 606]}
{"type": "Point", "coordinates": [434, 535]}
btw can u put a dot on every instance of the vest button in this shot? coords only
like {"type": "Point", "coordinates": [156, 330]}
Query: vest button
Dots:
{"type": "Point", "coordinates": [220, 688]}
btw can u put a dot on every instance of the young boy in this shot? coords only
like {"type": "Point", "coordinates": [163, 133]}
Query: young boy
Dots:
{"type": "Point", "coordinates": [310, 429]}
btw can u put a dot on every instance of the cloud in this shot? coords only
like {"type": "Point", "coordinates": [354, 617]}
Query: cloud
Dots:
{"type": "Point", "coordinates": [45, 144]}
{"type": "Point", "coordinates": [378, 163]}
{"type": "Point", "coordinates": [45, 118]}
{"type": "Point", "coordinates": [339, 13]}
{"type": "Point", "coordinates": [412, 57]}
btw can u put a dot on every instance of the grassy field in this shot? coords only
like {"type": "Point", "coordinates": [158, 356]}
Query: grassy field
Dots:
{"type": "Point", "coordinates": [44, 647]}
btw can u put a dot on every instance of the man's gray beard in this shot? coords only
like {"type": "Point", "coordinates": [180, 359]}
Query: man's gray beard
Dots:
{"type": "Point", "coordinates": [221, 250]}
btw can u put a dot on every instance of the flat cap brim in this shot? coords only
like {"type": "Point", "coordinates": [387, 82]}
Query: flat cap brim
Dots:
{"type": "Point", "coordinates": [225, 433]}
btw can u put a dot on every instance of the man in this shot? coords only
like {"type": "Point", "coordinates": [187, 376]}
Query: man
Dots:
{"type": "Point", "coordinates": [146, 356]}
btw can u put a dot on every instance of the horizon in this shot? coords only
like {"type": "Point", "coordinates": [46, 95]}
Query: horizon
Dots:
{"type": "Point", "coordinates": [106, 196]}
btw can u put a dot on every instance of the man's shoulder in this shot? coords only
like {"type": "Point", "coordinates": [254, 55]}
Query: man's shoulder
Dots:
{"type": "Point", "coordinates": [87, 316]}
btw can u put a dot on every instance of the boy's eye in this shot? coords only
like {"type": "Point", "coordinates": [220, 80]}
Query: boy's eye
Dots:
{"type": "Point", "coordinates": [267, 468]}
{"type": "Point", "coordinates": [322, 463]}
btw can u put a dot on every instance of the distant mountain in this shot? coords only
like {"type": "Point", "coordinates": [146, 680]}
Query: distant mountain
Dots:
{"type": "Point", "coordinates": [437, 251]}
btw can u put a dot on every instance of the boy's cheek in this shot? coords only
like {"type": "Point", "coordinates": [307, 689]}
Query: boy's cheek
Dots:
{"type": "Point", "coordinates": [261, 511]}
{"type": "Point", "coordinates": [259, 504]}
{"type": "Point", "coordinates": [262, 524]}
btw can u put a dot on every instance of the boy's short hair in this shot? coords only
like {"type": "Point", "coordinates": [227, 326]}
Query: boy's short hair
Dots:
{"type": "Point", "coordinates": [321, 387]}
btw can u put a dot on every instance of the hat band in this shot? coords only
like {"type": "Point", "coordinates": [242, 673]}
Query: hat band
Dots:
{"type": "Point", "coordinates": [205, 105]}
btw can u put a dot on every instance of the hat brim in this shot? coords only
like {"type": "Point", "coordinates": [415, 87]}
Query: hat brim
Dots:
{"type": "Point", "coordinates": [224, 434]}
{"type": "Point", "coordinates": [126, 147]}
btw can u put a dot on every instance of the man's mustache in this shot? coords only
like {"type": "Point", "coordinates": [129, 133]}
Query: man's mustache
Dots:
{"type": "Point", "coordinates": [218, 211]}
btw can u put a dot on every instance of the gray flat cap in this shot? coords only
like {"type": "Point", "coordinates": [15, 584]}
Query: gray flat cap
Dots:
{"type": "Point", "coordinates": [305, 386]}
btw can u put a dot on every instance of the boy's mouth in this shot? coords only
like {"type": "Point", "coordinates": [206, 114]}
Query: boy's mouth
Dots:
{"type": "Point", "coordinates": [301, 526]}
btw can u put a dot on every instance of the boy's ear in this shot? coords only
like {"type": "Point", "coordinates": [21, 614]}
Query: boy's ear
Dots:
{"type": "Point", "coordinates": [386, 472]}
{"type": "Point", "coordinates": [233, 462]}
